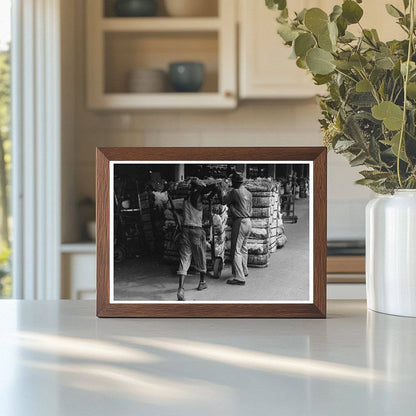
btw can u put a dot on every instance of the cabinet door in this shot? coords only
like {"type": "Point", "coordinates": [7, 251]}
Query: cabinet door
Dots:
{"type": "Point", "coordinates": [265, 68]}
{"type": "Point", "coordinates": [78, 276]}
{"type": "Point", "coordinates": [376, 17]}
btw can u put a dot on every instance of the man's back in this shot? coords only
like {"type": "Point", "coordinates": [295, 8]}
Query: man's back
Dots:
{"type": "Point", "coordinates": [241, 202]}
{"type": "Point", "coordinates": [192, 216]}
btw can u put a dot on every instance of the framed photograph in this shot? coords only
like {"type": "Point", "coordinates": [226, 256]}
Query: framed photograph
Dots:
{"type": "Point", "coordinates": [211, 232]}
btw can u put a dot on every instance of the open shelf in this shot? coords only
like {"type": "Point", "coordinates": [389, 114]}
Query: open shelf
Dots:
{"type": "Point", "coordinates": [79, 247]}
{"type": "Point", "coordinates": [160, 24]}
{"type": "Point", "coordinates": [116, 46]}
{"type": "Point", "coordinates": [130, 101]}
{"type": "Point", "coordinates": [127, 51]}
{"type": "Point", "coordinates": [211, 9]}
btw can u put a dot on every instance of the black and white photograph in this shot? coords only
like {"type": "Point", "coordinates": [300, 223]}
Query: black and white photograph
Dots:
{"type": "Point", "coordinates": [211, 232]}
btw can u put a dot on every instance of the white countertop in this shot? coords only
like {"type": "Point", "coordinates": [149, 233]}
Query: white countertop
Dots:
{"type": "Point", "coordinates": [57, 359]}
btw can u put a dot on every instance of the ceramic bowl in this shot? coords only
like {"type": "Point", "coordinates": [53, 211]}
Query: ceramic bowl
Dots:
{"type": "Point", "coordinates": [186, 76]}
{"type": "Point", "coordinates": [147, 80]}
{"type": "Point", "coordinates": [136, 8]}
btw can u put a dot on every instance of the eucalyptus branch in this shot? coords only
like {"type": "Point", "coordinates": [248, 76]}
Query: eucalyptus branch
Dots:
{"type": "Point", "coordinates": [365, 62]}
{"type": "Point", "coordinates": [392, 90]}
{"type": "Point", "coordinates": [406, 80]}
{"type": "Point", "coordinates": [373, 89]}
{"type": "Point", "coordinates": [369, 41]}
{"type": "Point", "coordinates": [346, 75]}
{"type": "Point", "coordinates": [397, 95]}
{"type": "Point", "coordinates": [403, 28]}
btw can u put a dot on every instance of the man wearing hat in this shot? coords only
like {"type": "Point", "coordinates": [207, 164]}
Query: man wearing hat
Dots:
{"type": "Point", "coordinates": [193, 240]}
{"type": "Point", "coordinates": [239, 201]}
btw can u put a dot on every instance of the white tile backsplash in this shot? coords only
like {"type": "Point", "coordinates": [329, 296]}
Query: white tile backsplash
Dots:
{"type": "Point", "coordinates": [271, 123]}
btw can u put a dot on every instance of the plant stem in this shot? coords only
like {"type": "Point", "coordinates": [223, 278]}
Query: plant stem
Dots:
{"type": "Point", "coordinates": [392, 90]}
{"type": "Point", "coordinates": [406, 80]}
{"type": "Point", "coordinates": [373, 90]}
{"type": "Point", "coordinates": [345, 75]}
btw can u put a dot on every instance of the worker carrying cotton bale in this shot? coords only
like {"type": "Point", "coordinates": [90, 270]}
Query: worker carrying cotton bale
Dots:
{"type": "Point", "coordinates": [192, 243]}
{"type": "Point", "coordinates": [240, 206]}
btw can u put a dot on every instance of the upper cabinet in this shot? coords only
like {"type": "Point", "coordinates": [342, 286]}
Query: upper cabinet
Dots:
{"type": "Point", "coordinates": [128, 58]}
{"type": "Point", "coordinates": [264, 65]}
{"type": "Point", "coordinates": [265, 70]}
{"type": "Point", "coordinates": [376, 17]}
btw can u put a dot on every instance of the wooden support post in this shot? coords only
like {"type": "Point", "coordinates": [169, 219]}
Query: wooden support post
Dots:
{"type": "Point", "coordinates": [179, 172]}
{"type": "Point", "coordinates": [271, 170]}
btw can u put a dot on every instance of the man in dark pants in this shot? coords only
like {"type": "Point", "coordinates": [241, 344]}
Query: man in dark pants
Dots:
{"type": "Point", "coordinates": [239, 201]}
{"type": "Point", "coordinates": [193, 239]}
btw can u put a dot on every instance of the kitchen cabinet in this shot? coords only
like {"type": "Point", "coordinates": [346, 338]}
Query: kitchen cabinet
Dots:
{"type": "Point", "coordinates": [118, 45]}
{"type": "Point", "coordinates": [265, 70]}
{"type": "Point", "coordinates": [78, 271]}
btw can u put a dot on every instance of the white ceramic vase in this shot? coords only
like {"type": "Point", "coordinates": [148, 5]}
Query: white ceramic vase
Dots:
{"type": "Point", "coordinates": [391, 253]}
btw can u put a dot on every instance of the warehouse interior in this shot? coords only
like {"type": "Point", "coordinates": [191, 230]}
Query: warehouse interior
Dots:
{"type": "Point", "coordinates": [148, 200]}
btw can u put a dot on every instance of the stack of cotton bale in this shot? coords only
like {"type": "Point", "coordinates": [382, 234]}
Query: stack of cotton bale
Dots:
{"type": "Point", "coordinates": [275, 220]}
{"type": "Point", "coordinates": [277, 232]}
{"type": "Point", "coordinates": [263, 192]}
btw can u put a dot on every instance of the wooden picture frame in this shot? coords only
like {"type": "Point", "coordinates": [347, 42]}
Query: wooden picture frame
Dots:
{"type": "Point", "coordinates": [315, 308]}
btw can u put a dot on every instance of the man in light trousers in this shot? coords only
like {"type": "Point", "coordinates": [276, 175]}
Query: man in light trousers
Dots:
{"type": "Point", "coordinates": [239, 201]}
{"type": "Point", "coordinates": [193, 240]}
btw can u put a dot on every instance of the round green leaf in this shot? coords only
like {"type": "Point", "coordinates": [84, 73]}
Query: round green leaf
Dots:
{"type": "Point", "coordinates": [411, 90]}
{"type": "Point", "coordinates": [301, 63]}
{"type": "Point", "coordinates": [327, 40]}
{"type": "Point", "coordinates": [394, 144]}
{"type": "Point", "coordinates": [276, 4]}
{"type": "Point", "coordinates": [363, 86]}
{"type": "Point", "coordinates": [342, 25]}
{"type": "Point", "coordinates": [385, 63]}
{"type": "Point", "coordinates": [300, 16]}
{"type": "Point", "coordinates": [358, 61]}
{"type": "Point", "coordinates": [342, 64]}
{"type": "Point", "coordinates": [324, 42]}
{"type": "Point", "coordinates": [391, 114]}
{"type": "Point", "coordinates": [351, 11]}
{"type": "Point", "coordinates": [319, 61]}
{"type": "Point", "coordinates": [286, 32]}
{"type": "Point", "coordinates": [316, 20]}
{"type": "Point", "coordinates": [333, 32]}
{"type": "Point", "coordinates": [375, 35]}
{"type": "Point", "coordinates": [321, 79]}
{"type": "Point", "coordinates": [303, 43]}
{"type": "Point", "coordinates": [336, 12]}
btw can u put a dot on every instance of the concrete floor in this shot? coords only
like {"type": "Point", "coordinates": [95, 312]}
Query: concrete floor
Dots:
{"type": "Point", "coordinates": [285, 279]}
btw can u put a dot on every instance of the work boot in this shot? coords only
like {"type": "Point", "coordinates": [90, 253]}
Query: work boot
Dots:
{"type": "Point", "coordinates": [181, 294]}
{"type": "Point", "coordinates": [235, 282]}
{"type": "Point", "coordinates": [202, 285]}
